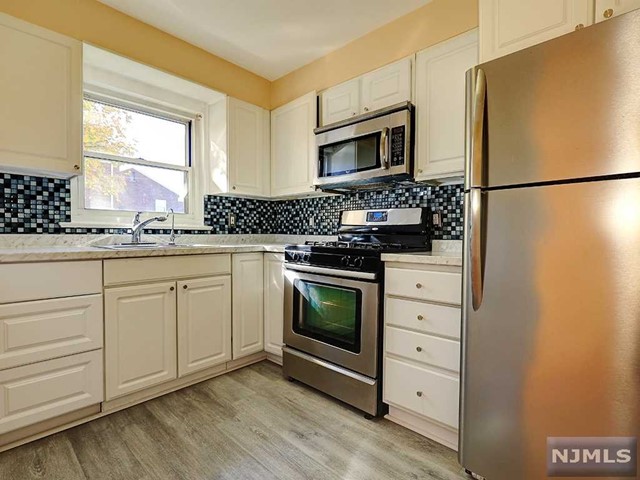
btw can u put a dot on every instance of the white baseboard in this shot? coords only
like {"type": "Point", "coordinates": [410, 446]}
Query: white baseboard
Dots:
{"type": "Point", "coordinates": [444, 435]}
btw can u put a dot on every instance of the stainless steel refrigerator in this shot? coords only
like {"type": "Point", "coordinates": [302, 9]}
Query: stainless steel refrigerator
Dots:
{"type": "Point", "coordinates": [551, 300]}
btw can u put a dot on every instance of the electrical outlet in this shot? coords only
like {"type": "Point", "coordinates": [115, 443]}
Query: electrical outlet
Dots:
{"type": "Point", "coordinates": [437, 219]}
{"type": "Point", "coordinates": [232, 219]}
{"type": "Point", "coordinates": [312, 221]}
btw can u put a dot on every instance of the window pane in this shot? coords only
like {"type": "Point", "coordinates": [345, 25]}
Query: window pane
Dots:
{"type": "Point", "coordinates": [124, 186]}
{"type": "Point", "coordinates": [118, 131]}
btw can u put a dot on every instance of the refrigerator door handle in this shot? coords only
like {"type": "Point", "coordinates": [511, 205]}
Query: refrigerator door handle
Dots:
{"type": "Point", "coordinates": [476, 104]}
{"type": "Point", "coordinates": [475, 247]}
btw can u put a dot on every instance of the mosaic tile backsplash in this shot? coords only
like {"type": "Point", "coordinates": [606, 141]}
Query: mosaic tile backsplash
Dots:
{"type": "Point", "coordinates": [36, 205]}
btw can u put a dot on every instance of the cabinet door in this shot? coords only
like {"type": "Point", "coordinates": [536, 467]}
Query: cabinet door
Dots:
{"type": "Point", "coordinates": [386, 86]}
{"type": "Point", "coordinates": [273, 302]}
{"type": "Point", "coordinates": [440, 106]}
{"type": "Point", "coordinates": [248, 304]}
{"type": "Point", "coordinates": [41, 98]}
{"type": "Point", "coordinates": [606, 9]}
{"type": "Point", "coordinates": [507, 26]}
{"type": "Point", "coordinates": [140, 337]}
{"type": "Point", "coordinates": [293, 146]}
{"type": "Point", "coordinates": [340, 102]}
{"type": "Point", "coordinates": [204, 323]}
{"type": "Point", "coordinates": [248, 148]}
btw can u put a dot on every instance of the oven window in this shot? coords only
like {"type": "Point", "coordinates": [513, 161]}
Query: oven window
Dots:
{"type": "Point", "coordinates": [351, 156]}
{"type": "Point", "coordinates": [329, 314]}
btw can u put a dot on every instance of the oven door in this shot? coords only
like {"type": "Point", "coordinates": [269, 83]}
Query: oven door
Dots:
{"type": "Point", "coordinates": [362, 151]}
{"type": "Point", "coordinates": [336, 319]}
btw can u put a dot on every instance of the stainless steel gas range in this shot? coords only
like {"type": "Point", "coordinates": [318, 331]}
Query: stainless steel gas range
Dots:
{"type": "Point", "coordinates": [333, 303]}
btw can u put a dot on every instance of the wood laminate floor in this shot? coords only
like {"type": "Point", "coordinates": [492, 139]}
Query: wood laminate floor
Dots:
{"type": "Point", "coordinates": [248, 424]}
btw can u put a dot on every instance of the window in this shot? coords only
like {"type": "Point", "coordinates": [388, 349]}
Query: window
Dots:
{"type": "Point", "coordinates": [135, 159]}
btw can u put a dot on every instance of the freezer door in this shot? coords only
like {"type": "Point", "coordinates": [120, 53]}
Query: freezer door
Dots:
{"type": "Point", "coordinates": [553, 348]}
{"type": "Point", "coordinates": [567, 108]}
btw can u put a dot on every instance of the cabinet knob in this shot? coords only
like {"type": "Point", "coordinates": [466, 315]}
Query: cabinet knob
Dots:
{"type": "Point", "coordinates": [172, 289]}
{"type": "Point", "coordinates": [419, 393]}
{"type": "Point", "coordinates": [76, 167]}
{"type": "Point", "coordinates": [419, 170]}
{"type": "Point", "coordinates": [608, 13]}
{"type": "Point", "coordinates": [366, 109]}
{"type": "Point", "coordinates": [233, 188]}
{"type": "Point", "coordinates": [184, 287]}
{"type": "Point", "coordinates": [418, 285]}
{"type": "Point", "coordinates": [420, 317]}
{"type": "Point", "coordinates": [353, 114]}
{"type": "Point", "coordinates": [418, 349]}
{"type": "Point", "coordinates": [579, 26]}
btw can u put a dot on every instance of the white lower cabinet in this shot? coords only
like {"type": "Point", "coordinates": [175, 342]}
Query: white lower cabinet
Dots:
{"type": "Point", "coordinates": [140, 337]}
{"type": "Point", "coordinates": [204, 323]}
{"type": "Point", "coordinates": [421, 380]}
{"type": "Point", "coordinates": [273, 303]}
{"type": "Point", "coordinates": [33, 393]}
{"type": "Point", "coordinates": [248, 304]}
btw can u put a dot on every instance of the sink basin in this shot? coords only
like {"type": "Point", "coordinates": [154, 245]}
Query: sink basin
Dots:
{"type": "Point", "coordinates": [136, 246]}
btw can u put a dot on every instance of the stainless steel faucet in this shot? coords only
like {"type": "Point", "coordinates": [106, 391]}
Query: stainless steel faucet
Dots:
{"type": "Point", "coordinates": [138, 226]}
{"type": "Point", "coordinates": [172, 237]}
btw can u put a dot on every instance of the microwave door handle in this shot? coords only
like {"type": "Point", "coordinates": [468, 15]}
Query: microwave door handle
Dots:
{"type": "Point", "coordinates": [384, 148]}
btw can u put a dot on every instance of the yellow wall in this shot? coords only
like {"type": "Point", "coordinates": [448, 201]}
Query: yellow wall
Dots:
{"type": "Point", "coordinates": [431, 24]}
{"type": "Point", "coordinates": [102, 26]}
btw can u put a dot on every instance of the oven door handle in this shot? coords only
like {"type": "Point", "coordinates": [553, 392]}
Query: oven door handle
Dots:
{"type": "Point", "coordinates": [331, 271]}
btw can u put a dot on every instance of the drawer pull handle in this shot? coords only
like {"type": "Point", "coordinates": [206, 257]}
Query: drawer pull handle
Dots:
{"type": "Point", "coordinates": [418, 285]}
{"type": "Point", "coordinates": [419, 394]}
{"type": "Point", "coordinates": [418, 349]}
{"type": "Point", "coordinates": [185, 287]}
{"type": "Point", "coordinates": [420, 317]}
{"type": "Point", "coordinates": [172, 289]}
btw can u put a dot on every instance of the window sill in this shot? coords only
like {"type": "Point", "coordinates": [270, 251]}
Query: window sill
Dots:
{"type": "Point", "coordinates": [153, 226]}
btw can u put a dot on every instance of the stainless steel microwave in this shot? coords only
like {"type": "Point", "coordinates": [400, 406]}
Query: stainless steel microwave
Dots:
{"type": "Point", "coordinates": [366, 151]}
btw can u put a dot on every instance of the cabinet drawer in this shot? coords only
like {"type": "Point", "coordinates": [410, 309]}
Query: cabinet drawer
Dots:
{"type": "Point", "coordinates": [422, 391]}
{"type": "Point", "coordinates": [136, 270]}
{"type": "Point", "coordinates": [22, 282]}
{"type": "Point", "coordinates": [422, 316]}
{"type": "Point", "coordinates": [36, 331]}
{"type": "Point", "coordinates": [45, 390]}
{"type": "Point", "coordinates": [436, 286]}
{"type": "Point", "coordinates": [439, 352]}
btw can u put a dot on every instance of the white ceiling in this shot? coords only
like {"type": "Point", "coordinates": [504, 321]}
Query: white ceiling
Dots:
{"type": "Point", "coordinates": [268, 37]}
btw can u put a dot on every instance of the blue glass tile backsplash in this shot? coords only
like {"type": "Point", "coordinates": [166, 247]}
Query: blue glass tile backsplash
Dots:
{"type": "Point", "coordinates": [32, 204]}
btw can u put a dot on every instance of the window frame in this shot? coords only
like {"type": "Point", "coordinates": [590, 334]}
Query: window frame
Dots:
{"type": "Point", "coordinates": [82, 217]}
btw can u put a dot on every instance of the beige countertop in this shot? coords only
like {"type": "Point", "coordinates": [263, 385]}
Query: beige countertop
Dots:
{"type": "Point", "coordinates": [66, 252]}
{"type": "Point", "coordinates": [453, 259]}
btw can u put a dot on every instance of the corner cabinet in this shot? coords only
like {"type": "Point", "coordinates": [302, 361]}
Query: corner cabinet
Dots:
{"type": "Point", "coordinates": [248, 304]}
{"type": "Point", "coordinates": [41, 98]}
{"type": "Point", "coordinates": [293, 147]}
{"type": "Point", "coordinates": [273, 303]}
{"type": "Point", "coordinates": [506, 27]}
{"type": "Point", "coordinates": [440, 107]}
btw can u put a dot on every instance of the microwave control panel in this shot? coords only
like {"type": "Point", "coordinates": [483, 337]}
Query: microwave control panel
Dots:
{"type": "Point", "coordinates": [397, 146]}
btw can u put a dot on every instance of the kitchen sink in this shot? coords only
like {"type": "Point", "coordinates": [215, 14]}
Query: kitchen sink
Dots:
{"type": "Point", "coordinates": [137, 246]}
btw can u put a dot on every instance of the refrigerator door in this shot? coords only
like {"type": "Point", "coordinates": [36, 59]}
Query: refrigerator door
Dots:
{"type": "Point", "coordinates": [568, 108]}
{"type": "Point", "coordinates": [552, 344]}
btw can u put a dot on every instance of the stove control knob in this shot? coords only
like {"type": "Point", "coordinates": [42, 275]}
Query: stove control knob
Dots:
{"type": "Point", "coordinates": [345, 261]}
{"type": "Point", "coordinates": [296, 256]}
{"type": "Point", "coordinates": [306, 257]}
{"type": "Point", "coordinates": [358, 262]}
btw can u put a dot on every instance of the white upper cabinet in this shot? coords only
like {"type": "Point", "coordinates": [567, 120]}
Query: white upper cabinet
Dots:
{"type": "Point", "coordinates": [293, 146]}
{"type": "Point", "coordinates": [606, 9]}
{"type": "Point", "coordinates": [41, 98]}
{"type": "Point", "coordinates": [381, 88]}
{"type": "Point", "coordinates": [340, 102]}
{"type": "Point", "coordinates": [386, 86]}
{"type": "Point", "coordinates": [248, 148]}
{"type": "Point", "coordinates": [440, 106]}
{"type": "Point", "coordinates": [507, 26]}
